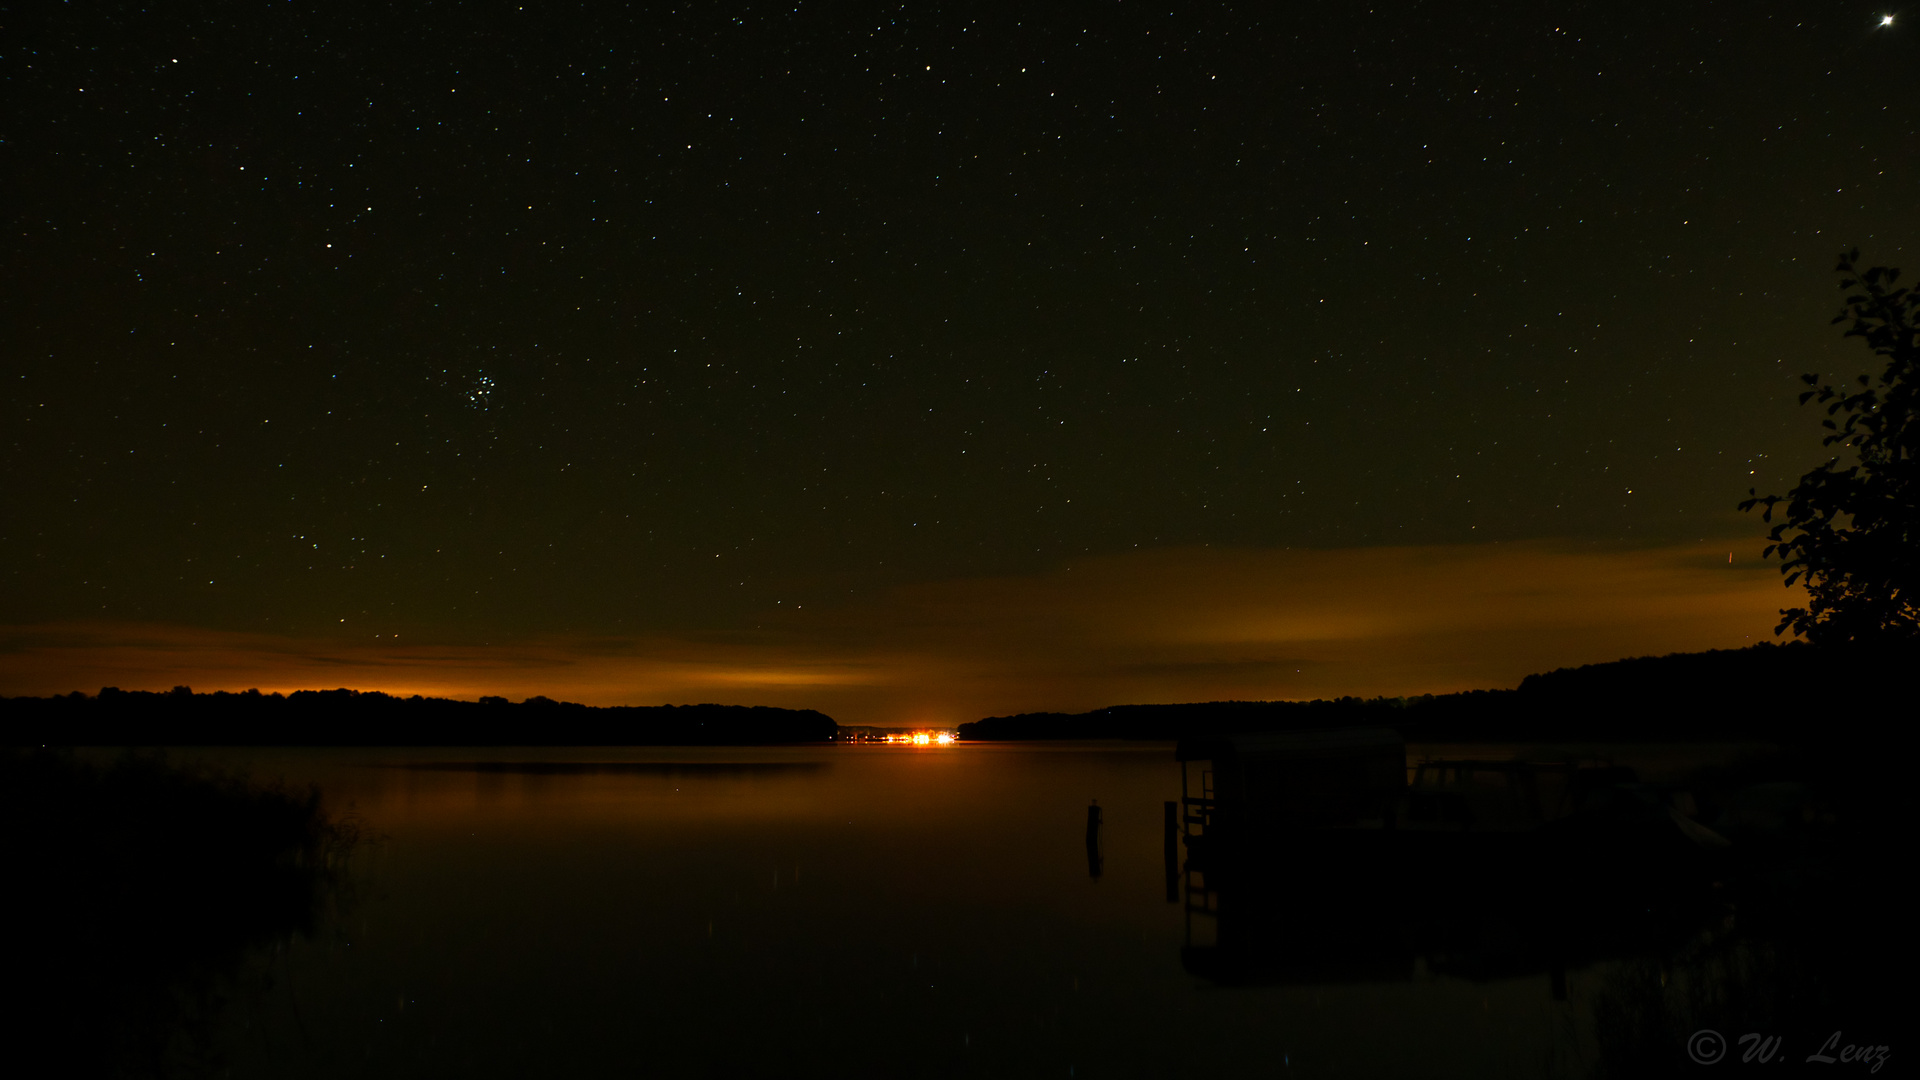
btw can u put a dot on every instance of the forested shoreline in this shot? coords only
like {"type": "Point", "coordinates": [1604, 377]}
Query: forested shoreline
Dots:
{"type": "Point", "coordinates": [370, 718]}
{"type": "Point", "coordinates": [1764, 692]}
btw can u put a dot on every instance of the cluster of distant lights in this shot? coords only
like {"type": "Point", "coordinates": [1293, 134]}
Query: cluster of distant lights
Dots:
{"type": "Point", "coordinates": [922, 738]}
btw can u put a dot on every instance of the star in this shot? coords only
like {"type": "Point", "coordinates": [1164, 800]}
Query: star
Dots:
{"type": "Point", "coordinates": [1886, 20]}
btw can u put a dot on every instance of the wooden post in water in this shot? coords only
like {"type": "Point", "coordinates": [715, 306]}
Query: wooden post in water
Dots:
{"type": "Point", "coordinates": [1093, 839]}
{"type": "Point", "coordinates": [1170, 828]}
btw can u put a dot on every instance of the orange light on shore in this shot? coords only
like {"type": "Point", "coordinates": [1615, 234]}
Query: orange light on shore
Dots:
{"type": "Point", "coordinates": [922, 738]}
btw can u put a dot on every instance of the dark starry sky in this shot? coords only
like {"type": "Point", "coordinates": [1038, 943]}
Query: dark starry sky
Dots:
{"type": "Point", "coordinates": [481, 319]}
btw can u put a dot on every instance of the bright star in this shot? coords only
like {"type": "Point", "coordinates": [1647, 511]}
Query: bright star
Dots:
{"type": "Point", "coordinates": [1886, 20]}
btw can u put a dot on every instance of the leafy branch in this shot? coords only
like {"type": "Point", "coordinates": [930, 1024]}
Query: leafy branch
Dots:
{"type": "Point", "coordinates": [1850, 532]}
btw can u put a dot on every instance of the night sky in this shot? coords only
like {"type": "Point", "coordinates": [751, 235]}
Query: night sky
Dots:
{"type": "Point", "coordinates": [800, 346]}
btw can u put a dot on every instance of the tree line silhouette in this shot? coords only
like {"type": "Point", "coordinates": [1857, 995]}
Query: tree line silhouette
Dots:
{"type": "Point", "coordinates": [117, 717]}
{"type": "Point", "coordinates": [1718, 694]}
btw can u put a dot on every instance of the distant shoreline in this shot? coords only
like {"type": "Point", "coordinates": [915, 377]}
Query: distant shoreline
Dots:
{"type": "Point", "coordinates": [1769, 693]}
{"type": "Point", "coordinates": [1763, 693]}
{"type": "Point", "coordinates": [370, 718]}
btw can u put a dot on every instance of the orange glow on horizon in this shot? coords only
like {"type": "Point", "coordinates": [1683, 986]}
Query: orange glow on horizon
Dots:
{"type": "Point", "coordinates": [1169, 625]}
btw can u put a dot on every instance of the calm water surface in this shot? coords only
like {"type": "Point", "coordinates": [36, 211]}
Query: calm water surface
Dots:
{"type": "Point", "coordinates": [853, 910]}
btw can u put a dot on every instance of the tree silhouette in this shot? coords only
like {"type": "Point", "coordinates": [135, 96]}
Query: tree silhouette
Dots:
{"type": "Point", "coordinates": [1850, 533]}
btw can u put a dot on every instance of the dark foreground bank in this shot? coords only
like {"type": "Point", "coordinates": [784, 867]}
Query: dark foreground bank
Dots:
{"type": "Point", "coordinates": [141, 895]}
{"type": "Point", "coordinates": [353, 718]}
{"type": "Point", "coordinates": [1745, 895]}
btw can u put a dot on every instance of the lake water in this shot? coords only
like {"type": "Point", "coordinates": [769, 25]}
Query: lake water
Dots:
{"type": "Point", "coordinates": [847, 910]}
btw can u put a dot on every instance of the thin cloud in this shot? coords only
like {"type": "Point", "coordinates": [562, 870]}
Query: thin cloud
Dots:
{"type": "Point", "coordinates": [1171, 625]}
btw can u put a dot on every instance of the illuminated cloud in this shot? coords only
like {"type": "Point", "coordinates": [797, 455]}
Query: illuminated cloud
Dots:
{"type": "Point", "coordinates": [1173, 625]}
